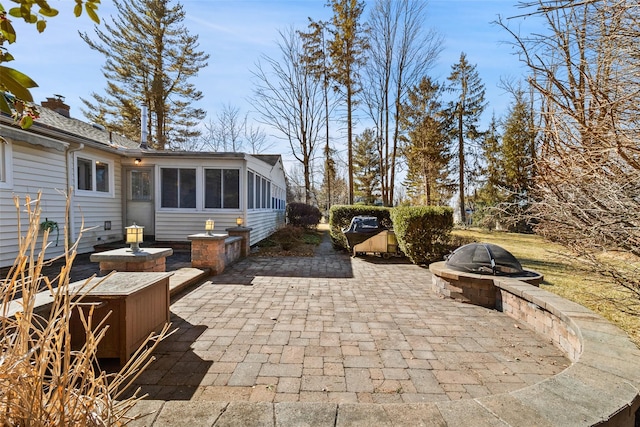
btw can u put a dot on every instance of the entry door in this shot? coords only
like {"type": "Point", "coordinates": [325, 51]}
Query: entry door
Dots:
{"type": "Point", "coordinates": [140, 203]}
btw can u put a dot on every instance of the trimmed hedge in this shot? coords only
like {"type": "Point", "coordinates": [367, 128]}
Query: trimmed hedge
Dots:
{"type": "Point", "coordinates": [340, 217]}
{"type": "Point", "coordinates": [303, 215]}
{"type": "Point", "coordinates": [423, 231]}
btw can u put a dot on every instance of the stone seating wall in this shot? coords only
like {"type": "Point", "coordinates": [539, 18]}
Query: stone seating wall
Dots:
{"type": "Point", "coordinates": [600, 388]}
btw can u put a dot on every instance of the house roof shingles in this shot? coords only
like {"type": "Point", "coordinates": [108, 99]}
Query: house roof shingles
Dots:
{"type": "Point", "coordinates": [51, 121]}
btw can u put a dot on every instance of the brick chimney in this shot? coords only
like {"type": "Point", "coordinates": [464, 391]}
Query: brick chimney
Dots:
{"type": "Point", "coordinates": [57, 104]}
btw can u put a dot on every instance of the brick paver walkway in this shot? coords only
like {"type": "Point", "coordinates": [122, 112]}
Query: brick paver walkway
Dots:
{"type": "Point", "coordinates": [336, 329]}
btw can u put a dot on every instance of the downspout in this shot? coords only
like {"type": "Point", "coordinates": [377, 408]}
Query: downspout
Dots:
{"type": "Point", "coordinates": [70, 175]}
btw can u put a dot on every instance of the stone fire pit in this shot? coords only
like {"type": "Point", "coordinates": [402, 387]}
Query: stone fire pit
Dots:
{"type": "Point", "coordinates": [469, 272]}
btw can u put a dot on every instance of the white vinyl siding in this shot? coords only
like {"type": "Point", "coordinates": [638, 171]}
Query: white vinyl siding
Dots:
{"type": "Point", "coordinates": [269, 198]}
{"type": "Point", "coordinates": [34, 169]}
{"type": "Point", "coordinates": [263, 223]}
{"type": "Point", "coordinates": [94, 208]}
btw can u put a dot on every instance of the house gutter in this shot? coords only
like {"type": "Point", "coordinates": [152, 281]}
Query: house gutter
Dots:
{"type": "Point", "coordinates": [69, 166]}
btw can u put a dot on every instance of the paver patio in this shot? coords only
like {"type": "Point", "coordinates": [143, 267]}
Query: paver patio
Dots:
{"type": "Point", "coordinates": [337, 329]}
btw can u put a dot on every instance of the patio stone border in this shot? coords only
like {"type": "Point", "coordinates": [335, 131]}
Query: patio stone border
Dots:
{"type": "Point", "coordinates": [602, 385]}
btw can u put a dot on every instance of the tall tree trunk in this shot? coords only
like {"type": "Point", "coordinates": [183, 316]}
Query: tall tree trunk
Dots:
{"type": "Point", "coordinates": [327, 148]}
{"type": "Point", "coordinates": [461, 167]}
{"type": "Point", "coordinates": [350, 141]}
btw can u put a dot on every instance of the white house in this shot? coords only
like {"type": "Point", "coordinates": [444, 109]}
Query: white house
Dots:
{"type": "Point", "coordinates": [112, 183]}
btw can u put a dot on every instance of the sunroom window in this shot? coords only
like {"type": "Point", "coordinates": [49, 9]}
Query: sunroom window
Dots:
{"type": "Point", "coordinates": [221, 189]}
{"type": "Point", "coordinates": [178, 188]}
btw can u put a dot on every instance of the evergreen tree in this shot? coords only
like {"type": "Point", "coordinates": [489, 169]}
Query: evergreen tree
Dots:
{"type": "Point", "coordinates": [490, 195]}
{"type": "Point", "coordinates": [466, 110]}
{"type": "Point", "coordinates": [347, 50]}
{"type": "Point", "coordinates": [150, 57]}
{"type": "Point", "coordinates": [518, 153]}
{"type": "Point", "coordinates": [334, 187]}
{"type": "Point", "coordinates": [366, 168]}
{"type": "Point", "coordinates": [518, 145]}
{"type": "Point", "coordinates": [494, 162]}
{"type": "Point", "coordinates": [316, 59]}
{"type": "Point", "coordinates": [508, 168]}
{"type": "Point", "coordinates": [426, 143]}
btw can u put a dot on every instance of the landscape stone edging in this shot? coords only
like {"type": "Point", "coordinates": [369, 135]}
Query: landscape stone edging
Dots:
{"type": "Point", "coordinates": [602, 385]}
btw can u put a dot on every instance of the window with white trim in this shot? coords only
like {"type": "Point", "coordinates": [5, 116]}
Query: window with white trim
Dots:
{"type": "Point", "coordinates": [93, 175]}
{"type": "Point", "coordinates": [4, 161]}
{"type": "Point", "coordinates": [222, 189]}
{"type": "Point", "coordinates": [178, 188]}
{"type": "Point", "coordinates": [6, 164]}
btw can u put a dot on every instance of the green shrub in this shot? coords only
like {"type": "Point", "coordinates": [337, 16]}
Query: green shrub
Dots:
{"type": "Point", "coordinates": [340, 217]}
{"type": "Point", "coordinates": [303, 215]}
{"type": "Point", "coordinates": [423, 232]}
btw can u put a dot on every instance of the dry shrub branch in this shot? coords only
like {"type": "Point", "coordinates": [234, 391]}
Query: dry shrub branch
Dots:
{"type": "Point", "coordinates": [43, 381]}
{"type": "Point", "coordinates": [585, 73]}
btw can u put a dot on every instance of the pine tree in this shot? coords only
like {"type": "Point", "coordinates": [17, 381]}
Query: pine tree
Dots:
{"type": "Point", "coordinates": [150, 57]}
{"type": "Point", "coordinates": [347, 51]}
{"type": "Point", "coordinates": [490, 195]}
{"type": "Point", "coordinates": [316, 58]}
{"type": "Point", "coordinates": [366, 168]}
{"type": "Point", "coordinates": [466, 110]}
{"type": "Point", "coordinates": [493, 156]}
{"type": "Point", "coordinates": [518, 153]}
{"type": "Point", "coordinates": [518, 145]}
{"type": "Point", "coordinates": [426, 143]}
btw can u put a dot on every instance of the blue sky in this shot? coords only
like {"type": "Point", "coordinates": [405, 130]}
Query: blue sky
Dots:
{"type": "Point", "coordinates": [236, 32]}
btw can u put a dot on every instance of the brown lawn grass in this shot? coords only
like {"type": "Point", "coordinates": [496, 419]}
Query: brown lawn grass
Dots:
{"type": "Point", "coordinates": [566, 276]}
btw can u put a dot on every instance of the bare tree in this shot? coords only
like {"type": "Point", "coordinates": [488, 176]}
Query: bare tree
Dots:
{"type": "Point", "coordinates": [289, 99]}
{"type": "Point", "coordinates": [586, 74]}
{"type": "Point", "coordinates": [208, 139]}
{"type": "Point", "coordinates": [401, 51]}
{"type": "Point", "coordinates": [295, 184]}
{"type": "Point", "coordinates": [226, 131]}
{"type": "Point", "coordinates": [256, 139]}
